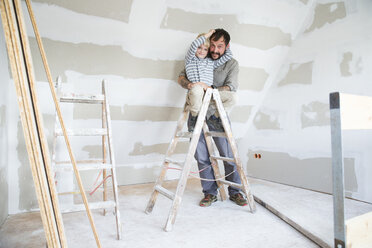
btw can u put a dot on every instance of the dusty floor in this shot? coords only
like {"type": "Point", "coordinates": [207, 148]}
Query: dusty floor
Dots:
{"type": "Point", "coordinates": [224, 224]}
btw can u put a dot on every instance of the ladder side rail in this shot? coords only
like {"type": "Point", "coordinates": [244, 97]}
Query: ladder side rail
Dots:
{"type": "Point", "coordinates": [212, 152]}
{"type": "Point", "coordinates": [190, 156]}
{"type": "Point", "coordinates": [234, 149]}
{"type": "Point", "coordinates": [170, 150]}
{"type": "Point", "coordinates": [104, 151]}
{"type": "Point", "coordinates": [113, 161]}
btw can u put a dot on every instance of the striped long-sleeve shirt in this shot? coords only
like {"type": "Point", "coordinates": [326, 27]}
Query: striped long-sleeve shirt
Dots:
{"type": "Point", "coordinates": [201, 70]}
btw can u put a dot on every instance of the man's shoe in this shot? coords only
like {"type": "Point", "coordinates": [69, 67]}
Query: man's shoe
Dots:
{"type": "Point", "coordinates": [239, 199]}
{"type": "Point", "coordinates": [192, 122]}
{"type": "Point", "coordinates": [207, 200]}
{"type": "Point", "coordinates": [215, 123]}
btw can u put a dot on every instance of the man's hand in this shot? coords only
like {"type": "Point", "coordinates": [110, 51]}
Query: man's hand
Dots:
{"type": "Point", "coordinates": [203, 85]}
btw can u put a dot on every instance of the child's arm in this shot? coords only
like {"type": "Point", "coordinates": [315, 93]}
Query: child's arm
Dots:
{"type": "Point", "coordinates": [194, 46]}
{"type": "Point", "coordinates": [224, 58]}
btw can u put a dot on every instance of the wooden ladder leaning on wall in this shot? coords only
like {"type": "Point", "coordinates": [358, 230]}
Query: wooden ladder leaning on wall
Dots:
{"type": "Point", "coordinates": [84, 165]}
{"type": "Point", "coordinates": [211, 94]}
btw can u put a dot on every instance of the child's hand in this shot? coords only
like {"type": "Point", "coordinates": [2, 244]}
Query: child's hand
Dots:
{"type": "Point", "coordinates": [209, 34]}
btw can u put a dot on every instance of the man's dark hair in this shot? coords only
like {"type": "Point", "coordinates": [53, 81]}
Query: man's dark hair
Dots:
{"type": "Point", "coordinates": [221, 33]}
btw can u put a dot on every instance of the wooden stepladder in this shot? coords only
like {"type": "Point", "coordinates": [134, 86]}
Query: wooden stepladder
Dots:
{"type": "Point", "coordinates": [211, 94]}
{"type": "Point", "coordinates": [104, 164]}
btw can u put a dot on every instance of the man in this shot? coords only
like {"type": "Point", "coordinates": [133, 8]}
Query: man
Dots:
{"type": "Point", "coordinates": [225, 78]}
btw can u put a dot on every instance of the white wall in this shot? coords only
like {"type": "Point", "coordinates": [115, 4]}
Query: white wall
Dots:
{"type": "Point", "coordinates": [291, 130]}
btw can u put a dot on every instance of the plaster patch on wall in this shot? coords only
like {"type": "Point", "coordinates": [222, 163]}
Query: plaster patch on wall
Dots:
{"type": "Point", "coordinates": [315, 114]}
{"type": "Point", "coordinates": [94, 151]}
{"type": "Point", "coordinates": [129, 113]}
{"type": "Point", "coordinates": [113, 9]}
{"type": "Point", "coordinates": [2, 115]}
{"type": "Point", "coordinates": [91, 59]}
{"type": "Point", "coordinates": [298, 74]}
{"type": "Point", "coordinates": [314, 173]}
{"type": "Point", "coordinates": [240, 113]}
{"type": "Point", "coordinates": [252, 78]}
{"type": "Point", "coordinates": [251, 35]}
{"type": "Point", "coordinates": [304, 1]}
{"type": "Point", "coordinates": [348, 66]}
{"type": "Point", "coordinates": [266, 121]}
{"type": "Point", "coordinates": [345, 64]}
{"type": "Point", "coordinates": [4, 195]}
{"type": "Point", "coordinates": [327, 13]}
{"type": "Point", "coordinates": [140, 149]}
{"type": "Point", "coordinates": [27, 196]}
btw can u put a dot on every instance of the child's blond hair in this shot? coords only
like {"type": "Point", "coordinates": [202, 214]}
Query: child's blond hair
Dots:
{"type": "Point", "coordinates": [206, 43]}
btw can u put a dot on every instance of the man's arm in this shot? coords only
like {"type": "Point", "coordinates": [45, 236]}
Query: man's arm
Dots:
{"type": "Point", "coordinates": [186, 84]}
{"type": "Point", "coordinates": [231, 80]}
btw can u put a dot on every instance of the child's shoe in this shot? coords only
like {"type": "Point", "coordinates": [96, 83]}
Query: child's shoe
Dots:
{"type": "Point", "coordinates": [192, 122]}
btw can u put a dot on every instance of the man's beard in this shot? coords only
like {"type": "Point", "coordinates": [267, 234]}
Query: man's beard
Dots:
{"type": "Point", "coordinates": [219, 55]}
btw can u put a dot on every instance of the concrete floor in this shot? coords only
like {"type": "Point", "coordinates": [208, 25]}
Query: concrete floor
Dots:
{"type": "Point", "coordinates": [309, 211]}
{"type": "Point", "coordinates": [224, 224]}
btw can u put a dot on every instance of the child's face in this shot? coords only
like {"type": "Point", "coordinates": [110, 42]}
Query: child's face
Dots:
{"type": "Point", "coordinates": [202, 51]}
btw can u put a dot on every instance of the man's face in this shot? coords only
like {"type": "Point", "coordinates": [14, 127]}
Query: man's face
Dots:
{"type": "Point", "coordinates": [217, 48]}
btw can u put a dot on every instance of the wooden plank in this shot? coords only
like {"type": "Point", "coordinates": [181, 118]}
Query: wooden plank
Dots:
{"type": "Point", "coordinates": [51, 86]}
{"type": "Point", "coordinates": [82, 132]}
{"type": "Point", "coordinates": [186, 135]}
{"type": "Point", "coordinates": [164, 192]}
{"type": "Point", "coordinates": [172, 145]}
{"type": "Point", "coordinates": [92, 205]}
{"type": "Point", "coordinates": [81, 167]}
{"type": "Point", "coordinates": [223, 159]}
{"type": "Point", "coordinates": [189, 158]}
{"type": "Point", "coordinates": [234, 149]}
{"type": "Point", "coordinates": [113, 161]}
{"type": "Point", "coordinates": [178, 163]}
{"type": "Point", "coordinates": [356, 112]}
{"type": "Point", "coordinates": [215, 134]}
{"type": "Point", "coordinates": [359, 231]}
{"type": "Point", "coordinates": [27, 113]}
{"type": "Point", "coordinates": [104, 151]}
{"type": "Point", "coordinates": [81, 98]}
{"type": "Point", "coordinates": [217, 174]}
{"type": "Point", "coordinates": [236, 185]}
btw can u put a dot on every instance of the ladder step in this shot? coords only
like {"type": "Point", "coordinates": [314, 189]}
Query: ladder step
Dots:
{"type": "Point", "coordinates": [170, 161]}
{"type": "Point", "coordinates": [83, 132]}
{"type": "Point", "coordinates": [92, 205]}
{"type": "Point", "coordinates": [215, 134]}
{"type": "Point", "coordinates": [184, 135]}
{"type": "Point", "coordinates": [236, 185]}
{"type": "Point", "coordinates": [81, 166]}
{"type": "Point", "coordinates": [224, 159]}
{"type": "Point", "coordinates": [81, 98]}
{"type": "Point", "coordinates": [164, 192]}
{"type": "Point", "coordinates": [93, 161]}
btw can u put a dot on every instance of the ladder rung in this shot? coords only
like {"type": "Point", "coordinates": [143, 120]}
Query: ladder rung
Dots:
{"type": "Point", "coordinates": [92, 205]}
{"type": "Point", "coordinates": [215, 134]}
{"type": "Point", "coordinates": [93, 161]}
{"type": "Point", "coordinates": [236, 185]}
{"type": "Point", "coordinates": [88, 166]}
{"type": "Point", "coordinates": [81, 98]}
{"type": "Point", "coordinates": [224, 159]}
{"type": "Point", "coordinates": [83, 132]}
{"type": "Point", "coordinates": [184, 135]}
{"type": "Point", "coordinates": [164, 192]}
{"type": "Point", "coordinates": [170, 161]}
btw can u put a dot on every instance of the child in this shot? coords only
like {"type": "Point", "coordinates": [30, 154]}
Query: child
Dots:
{"type": "Point", "coordinates": [199, 68]}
